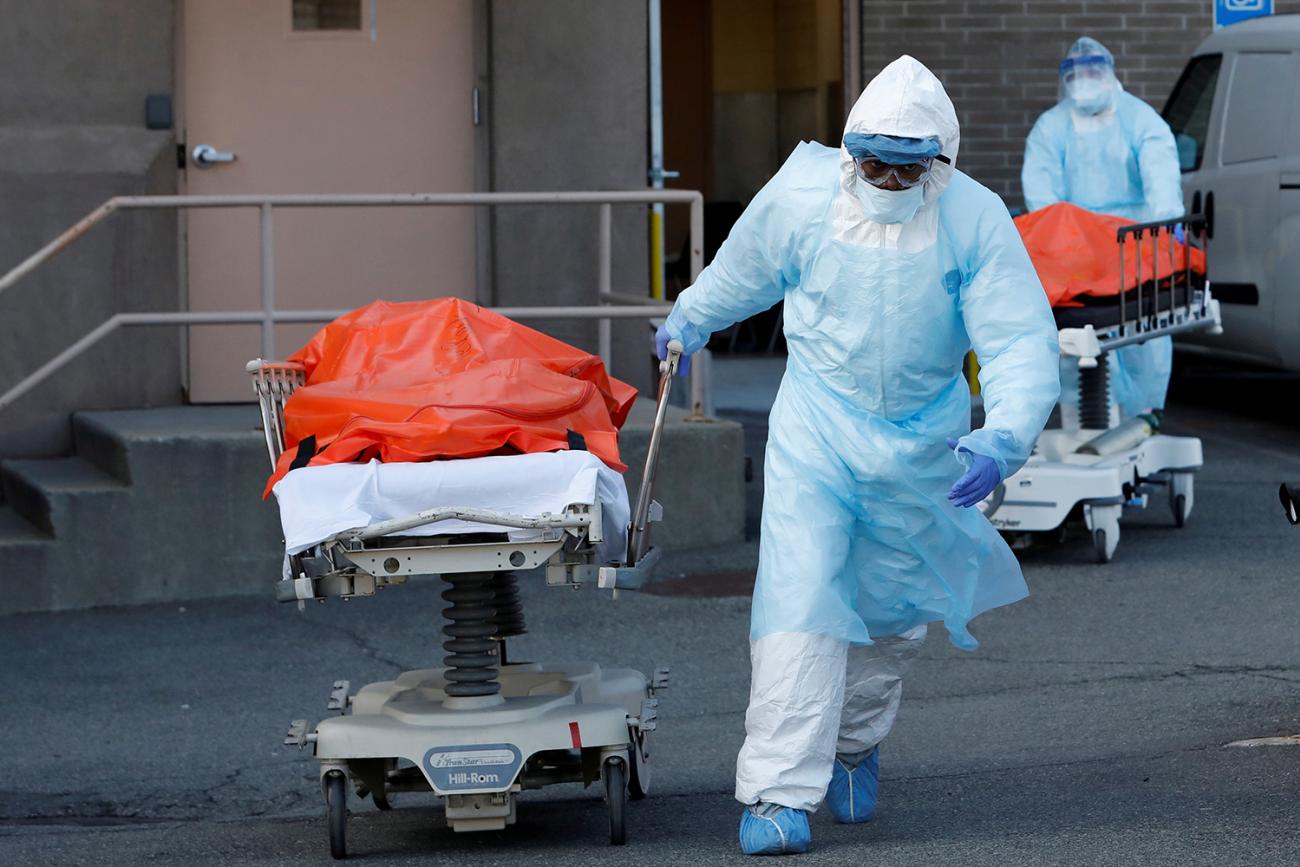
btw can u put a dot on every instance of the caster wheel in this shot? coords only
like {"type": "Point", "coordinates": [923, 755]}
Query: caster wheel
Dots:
{"type": "Point", "coordinates": [1179, 507]}
{"type": "Point", "coordinates": [615, 774]}
{"type": "Point", "coordinates": [1099, 546]}
{"type": "Point", "coordinates": [638, 782]}
{"type": "Point", "coordinates": [336, 802]}
{"type": "Point", "coordinates": [380, 796]}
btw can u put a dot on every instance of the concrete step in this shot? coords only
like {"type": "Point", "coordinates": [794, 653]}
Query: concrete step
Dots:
{"type": "Point", "coordinates": [157, 505]}
{"type": "Point", "coordinates": [15, 530]}
{"type": "Point", "coordinates": [701, 477]}
{"type": "Point", "coordinates": [106, 439]}
{"type": "Point", "coordinates": [52, 491]}
{"type": "Point", "coordinates": [26, 555]}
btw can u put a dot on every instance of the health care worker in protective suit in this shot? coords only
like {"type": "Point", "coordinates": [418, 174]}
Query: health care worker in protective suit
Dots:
{"type": "Point", "coordinates": [892, 265]}
{"type": "Point", "coordinates": [1104, 149]}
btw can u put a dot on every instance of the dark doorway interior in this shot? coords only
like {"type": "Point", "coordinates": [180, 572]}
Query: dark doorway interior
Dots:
{"type": "Point", "coordinates": [744, 82]}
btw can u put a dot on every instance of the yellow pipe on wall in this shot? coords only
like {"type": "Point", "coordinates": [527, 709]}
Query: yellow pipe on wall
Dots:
{"type": "Point", "coordinates": [657, 253]}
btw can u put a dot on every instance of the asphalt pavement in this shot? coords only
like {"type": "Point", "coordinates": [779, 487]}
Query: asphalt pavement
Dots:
{"type": "Point", "coordinates": [1090, 726]}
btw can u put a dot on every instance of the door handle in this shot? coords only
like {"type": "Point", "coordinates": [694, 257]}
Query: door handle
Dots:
{"type": "Point", "coordinates": [1209, 215]}
{"type": "Point", "coordinates": [205, 156]}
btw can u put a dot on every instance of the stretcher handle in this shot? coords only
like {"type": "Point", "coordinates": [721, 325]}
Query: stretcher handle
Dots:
{"type": "Point", "coordinates": [638, 540]}
{"type": "Point", "coordinates": [273, 383]}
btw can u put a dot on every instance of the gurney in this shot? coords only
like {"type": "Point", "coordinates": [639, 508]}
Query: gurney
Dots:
{"type": "Point", "coordinates": [482, 729]}
{"type": "Point", "coordinates": [1097, 464]}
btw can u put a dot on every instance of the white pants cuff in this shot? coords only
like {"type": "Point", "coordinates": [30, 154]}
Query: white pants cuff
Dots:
{"type": "Point", "coordinates": [811, 697]}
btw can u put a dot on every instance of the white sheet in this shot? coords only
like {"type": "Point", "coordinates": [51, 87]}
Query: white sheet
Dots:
{"type": "Point", "coordinates": [317, 502]}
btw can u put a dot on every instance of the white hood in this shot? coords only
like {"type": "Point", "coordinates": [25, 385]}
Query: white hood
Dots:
{"type": "Point", "coordinates": [905, 99]}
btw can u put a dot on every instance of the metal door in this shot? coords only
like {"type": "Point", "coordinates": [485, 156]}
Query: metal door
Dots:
{"type": "Point", "coordinates": [323, 96]}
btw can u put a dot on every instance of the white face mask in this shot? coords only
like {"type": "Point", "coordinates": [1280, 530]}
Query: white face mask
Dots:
{"type": "Point", "coordinates": [1089, 96]}
{"type": "Point", "coordinates": [889, 206]}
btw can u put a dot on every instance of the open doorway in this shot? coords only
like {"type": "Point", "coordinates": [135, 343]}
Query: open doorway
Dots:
{"type": "Point", "coordinates": [744, 82]}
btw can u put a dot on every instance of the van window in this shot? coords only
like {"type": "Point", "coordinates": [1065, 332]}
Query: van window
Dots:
{"type": "Point", "coordinates": [1259, 106]}
{"type": "Point", "coordinates": [1188, 109]}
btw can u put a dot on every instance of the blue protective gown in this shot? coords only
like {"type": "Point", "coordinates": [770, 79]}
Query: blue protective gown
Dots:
{"type": "Point", "coordinates": [858, 538]}
{"type": "Point", "coordinates": [1122, 162]}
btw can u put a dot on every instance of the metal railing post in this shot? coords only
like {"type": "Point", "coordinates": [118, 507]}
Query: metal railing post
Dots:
{"type": "Point", "coordinates": [697, 236]}
{"type": "Point", "coordinates": [606, 254]}
{"type": "Point", "coordinates": [701, 374]}
{"type": "Point", "coordinates": [268, 280]}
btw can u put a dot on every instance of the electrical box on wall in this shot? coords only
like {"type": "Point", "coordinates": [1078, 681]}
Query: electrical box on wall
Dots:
{"type": "Point", "coordinates": [158, 111]}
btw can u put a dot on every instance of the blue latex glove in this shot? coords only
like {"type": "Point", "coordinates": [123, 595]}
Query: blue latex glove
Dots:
{"type": "Point", "coordinates": [661, 347]}
{"type": "Point", "coordinates": [1180, 234]}
{"type": "Point", "coordinates": [978, 482]}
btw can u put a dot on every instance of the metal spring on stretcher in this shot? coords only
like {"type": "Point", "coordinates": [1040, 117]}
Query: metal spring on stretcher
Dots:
{"type": "Point", "coordinates": [509, 619]}
{"type": "Point", "coordinates": [471, 658]}
{"type": "Point", "coordinates": [1094, 395]}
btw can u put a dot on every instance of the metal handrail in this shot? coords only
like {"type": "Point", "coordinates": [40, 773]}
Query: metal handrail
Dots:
{"type": "Point", "coordinates": [604, 310]}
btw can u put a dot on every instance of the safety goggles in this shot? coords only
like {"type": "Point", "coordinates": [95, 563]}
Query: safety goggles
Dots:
{"type": "Point", "coordinates": [877, 172]}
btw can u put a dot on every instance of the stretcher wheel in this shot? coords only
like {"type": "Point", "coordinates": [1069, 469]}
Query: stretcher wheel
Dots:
{"type": "Point", "coordinates": [1179, 508]}
{"type": "Point", "coordinates": [638, 782]}
{"type": "Point", "coordinates": [615, 774]}
{"type": "Point", "coordinates": [380, 796]}
{"type": "Point", "coordinates": [1099, 546]}
{"type": "Point", "coordinates": [336, 803]}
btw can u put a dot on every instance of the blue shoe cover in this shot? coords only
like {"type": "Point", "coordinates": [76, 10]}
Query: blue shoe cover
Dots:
{"type": "Point", "coordinates": [770, 829]}
{"type": "Point", "coordinates": [851, 796]}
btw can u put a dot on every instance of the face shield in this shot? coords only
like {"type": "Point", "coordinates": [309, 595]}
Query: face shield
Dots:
{"type": "Point", "coordinates": [1088, 77]}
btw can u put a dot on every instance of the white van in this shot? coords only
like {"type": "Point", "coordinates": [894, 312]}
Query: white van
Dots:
{"type": "Point", "coordinates": [1235, 114]}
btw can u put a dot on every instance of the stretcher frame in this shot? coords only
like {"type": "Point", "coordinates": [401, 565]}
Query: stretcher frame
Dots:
{"type": "Point", "coordinates": [1058, 483]}
{"type": "Point", "coordinates": [545, 723]}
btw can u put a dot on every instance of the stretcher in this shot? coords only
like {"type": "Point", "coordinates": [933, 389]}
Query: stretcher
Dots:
{"type": "Point", "coordinates": [1074, 473]}
{"type": "Point", "coordinates": [481, 729]}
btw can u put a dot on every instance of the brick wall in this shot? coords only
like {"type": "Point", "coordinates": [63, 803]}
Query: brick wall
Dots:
{"type": "Point", "coordinates": [998, 59]}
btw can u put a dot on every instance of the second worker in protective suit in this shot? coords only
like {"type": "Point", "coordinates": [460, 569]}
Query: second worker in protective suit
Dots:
{"type": "Point", "coordinates": [892, 265]}
{"type": "Point", "coordinates": [1104, 149]}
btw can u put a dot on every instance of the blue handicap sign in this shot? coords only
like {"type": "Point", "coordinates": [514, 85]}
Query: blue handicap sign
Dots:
{"type": "Point", "coordinates": [1231, 11]}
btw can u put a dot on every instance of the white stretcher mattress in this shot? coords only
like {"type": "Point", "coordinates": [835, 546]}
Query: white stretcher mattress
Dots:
{"type": "Point", "coordinates": [317, 502]}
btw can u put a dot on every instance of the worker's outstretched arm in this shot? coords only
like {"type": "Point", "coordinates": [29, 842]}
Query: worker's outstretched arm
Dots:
{"type": "Point", "coordinates": [1042, 177]}
{"type": "Point", "coordinates": [1014, 337]}
{"type": "Point", "coordinates": [757, 262]}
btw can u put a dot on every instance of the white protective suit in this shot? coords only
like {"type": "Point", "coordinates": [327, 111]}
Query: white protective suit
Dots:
{"type": "Point", "coordinates": [859, 542]}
